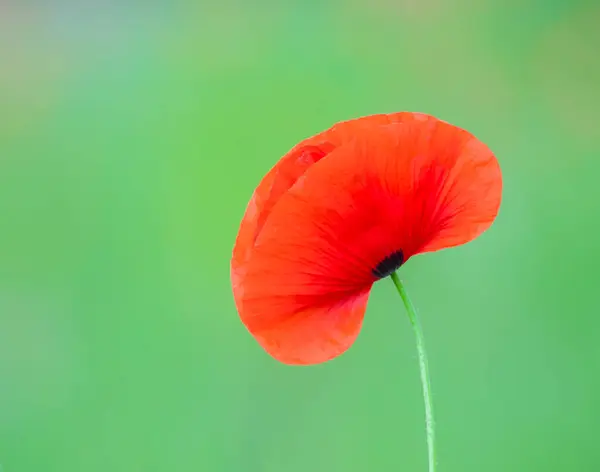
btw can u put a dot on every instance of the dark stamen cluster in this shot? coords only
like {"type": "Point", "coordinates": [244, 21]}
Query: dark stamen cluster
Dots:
{"type": "Point", "coordinates": [389, 264]}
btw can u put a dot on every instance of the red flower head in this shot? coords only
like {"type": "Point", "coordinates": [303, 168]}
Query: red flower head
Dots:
{"type": "Point", "coordinates": [345, 208]}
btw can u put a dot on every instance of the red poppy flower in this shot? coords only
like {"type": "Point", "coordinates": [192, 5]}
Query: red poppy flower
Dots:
{"type": "Point", "coordinates": [345, 208]}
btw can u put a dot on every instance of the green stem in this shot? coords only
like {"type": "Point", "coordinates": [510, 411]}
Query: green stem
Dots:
{"type": "Point", "coordinates": [424, 368]}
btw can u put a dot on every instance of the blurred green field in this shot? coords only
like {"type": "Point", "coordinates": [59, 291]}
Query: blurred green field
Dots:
{"type": "Point", "coordinates": [131, 138]}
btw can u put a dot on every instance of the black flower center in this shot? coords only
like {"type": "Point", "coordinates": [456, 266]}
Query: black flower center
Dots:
{"type": "Point", "coordinates": [389, 264]}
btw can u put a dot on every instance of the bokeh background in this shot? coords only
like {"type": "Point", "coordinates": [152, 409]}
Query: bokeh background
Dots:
{"type": "Point", "coordinates": [132, 135]}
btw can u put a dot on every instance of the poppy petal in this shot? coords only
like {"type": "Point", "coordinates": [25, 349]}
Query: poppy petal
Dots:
{"type": "Point", "coordinates": [295, 331]}
{"type": "Point", "coordinates": [448, 183]}
{"type": "Point", "coordinates": [291, 166]}
{"type": "Point", "coordinates": [279, 179]}
{"type": "Point", "coordinates": [307, 279]}
{"type": "Point", "coordinates": [470, 191]}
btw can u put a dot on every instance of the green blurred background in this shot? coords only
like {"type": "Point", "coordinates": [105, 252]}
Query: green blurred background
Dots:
{"type": "Point", "coordinates": [132, 135]}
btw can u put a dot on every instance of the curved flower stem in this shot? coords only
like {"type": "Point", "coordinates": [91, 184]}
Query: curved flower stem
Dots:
{"type": "Point", "coordinates": [424, 368]}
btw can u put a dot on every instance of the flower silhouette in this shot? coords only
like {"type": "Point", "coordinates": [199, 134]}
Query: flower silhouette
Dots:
{"type": "Point", "coordinates": [345, 208]}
